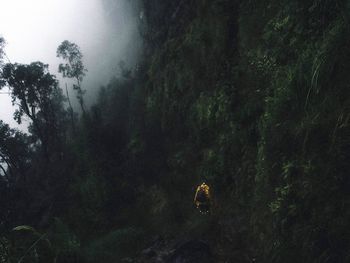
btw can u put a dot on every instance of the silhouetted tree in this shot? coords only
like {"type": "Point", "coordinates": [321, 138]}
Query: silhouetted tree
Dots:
{"type": "Point", "coordinates": [14, 152]}
{"type": "Point", "coordinates": [73, 68]}
{"type": "Point", "coordinates": [39, 98]}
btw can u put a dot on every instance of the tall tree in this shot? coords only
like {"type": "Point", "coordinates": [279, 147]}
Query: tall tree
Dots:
{"type": "Point", "coordinates": [39, 98]}
{"type": "Point", "coordinates": [73, 68]}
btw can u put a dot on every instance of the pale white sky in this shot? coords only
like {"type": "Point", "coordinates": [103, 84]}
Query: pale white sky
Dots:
{"type": "Point", "coordinates": [33, 29]}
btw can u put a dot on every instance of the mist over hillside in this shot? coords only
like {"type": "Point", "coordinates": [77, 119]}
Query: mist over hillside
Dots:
{"type": "Point", "coordinates": [107, 32]}
{"type": "Point", "coordinates": [122, 42]}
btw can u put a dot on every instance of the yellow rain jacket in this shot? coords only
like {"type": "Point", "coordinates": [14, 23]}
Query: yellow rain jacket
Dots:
{"type": "Point", "coordinates": [202, 196]}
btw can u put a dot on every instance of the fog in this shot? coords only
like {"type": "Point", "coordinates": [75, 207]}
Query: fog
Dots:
{"type": "Point", "coordinates": [105, 30]}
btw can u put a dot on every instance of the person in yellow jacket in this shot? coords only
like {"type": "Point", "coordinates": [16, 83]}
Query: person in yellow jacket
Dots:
{"type": "Point", "coordinates": [202, 198]}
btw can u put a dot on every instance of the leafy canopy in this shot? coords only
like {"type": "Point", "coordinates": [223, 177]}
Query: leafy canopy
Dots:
{"type": "Point", "coordinates": [74, 68]}
{"type": "Point", "coordinates": [32, 87]}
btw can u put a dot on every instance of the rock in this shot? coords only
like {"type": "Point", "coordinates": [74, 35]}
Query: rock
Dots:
{"type": "Point", "coordinates": [127, 260]}
{"type": "Point", "coordinates": [149, 252]}
{"type": "Point", "coordinates": [191, 252]}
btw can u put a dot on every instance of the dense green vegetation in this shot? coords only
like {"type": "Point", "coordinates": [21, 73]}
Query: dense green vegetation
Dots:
{"type": "Point", "coordinates": [252, 97]}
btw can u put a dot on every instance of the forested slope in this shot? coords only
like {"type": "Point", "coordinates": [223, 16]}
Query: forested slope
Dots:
{"type": "Point", "coordinates": [251, 97]}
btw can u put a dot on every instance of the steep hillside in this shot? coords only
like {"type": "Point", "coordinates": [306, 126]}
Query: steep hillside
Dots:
{"type": "Point", "coordinates": [251, 97]}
